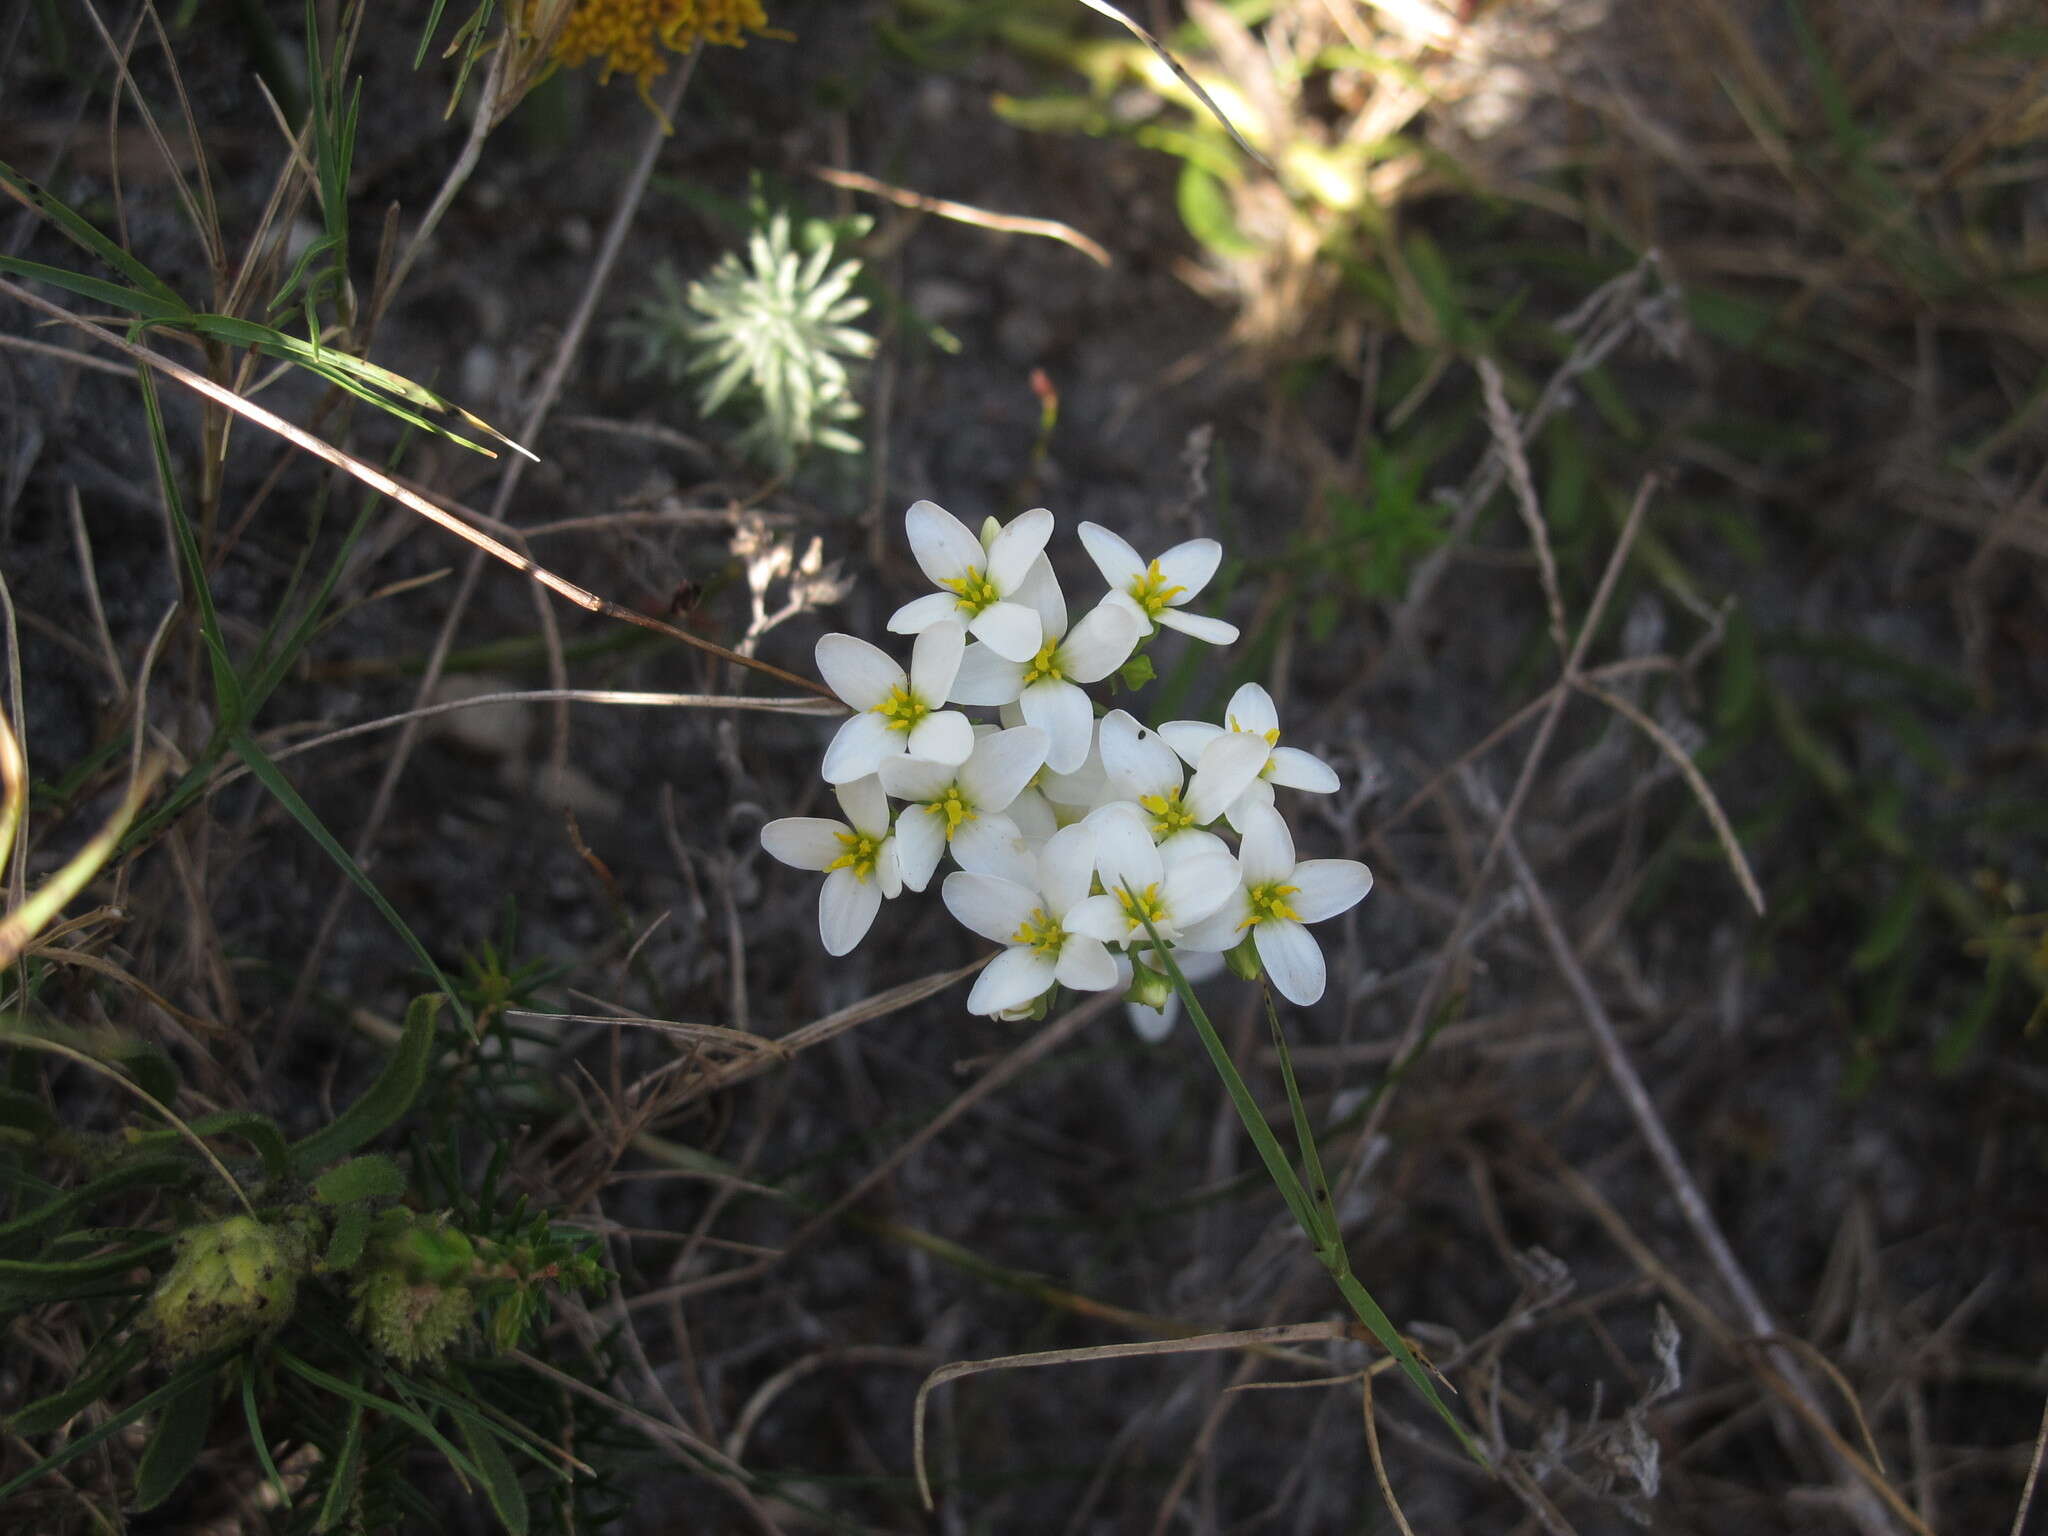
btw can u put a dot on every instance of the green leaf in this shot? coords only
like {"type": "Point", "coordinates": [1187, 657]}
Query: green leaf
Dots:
{"type": "Point", "coordinates": [116, 1422]}
{"type": "Point", "coordinates": [46, 1413]}
{"type": "Point", "coordinates": [82, 232]}
{"type": "Point", "coordinates": [465, 1470]}
{"type": "Point", "coordinates": [501, 1482]}
{"type": "Point", "coordinates": [1893, 924]}
{"type": "Point", "coordinates": [348, 1467]}
{"type": "Point", "coordinates": [1206, 210]}
{"type": "Point", "coordinates": [272, 779]}
{"type": "Point", "coordinates": [179, 1437]}
{"type": "Point", "coordinates": [98, 289]}
{"type": "Point", "coordinates": [259, 1131]}
{"type": "Point", "coordinates": [126, 1175]}
{"type": "Point", "coordinates": [386, 1099]}
{"type": "Point", "coordinates": [70, 1279]}
{"type": "Point", "coordinates": [351, 1231]}
{"type": "Point", "coordinates": [374, 1177]}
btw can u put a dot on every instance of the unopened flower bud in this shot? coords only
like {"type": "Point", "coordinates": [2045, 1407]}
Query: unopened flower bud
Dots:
{"type": "Point", "coordinates": [231, 1280]}
{"type": "Point", "coordinates": [1244, 960]}
{"type": "Point", "coordinates": [1149, 988]}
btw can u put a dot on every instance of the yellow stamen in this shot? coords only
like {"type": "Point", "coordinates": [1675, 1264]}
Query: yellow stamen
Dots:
{"type": "Point", "coordinates": [1045, 666]}
{"type": "Point", "coordinates": [1042, 932]}
{"type": "Point", "coordinates": [1141, 905]}
{"type": "Point", "coordinates": [953, 807]}
{"type": "Point", "coordinates": [1151, 593]}
{"type": "Point", "coordinates": [1168, 814]}
{"type": "Point", "coordinates": [1268, 903]}
{"type": "Point", "coordinates": [975, 591]}
{"type": "Point", "coordinates": [902, 709]}
{"type": "Point", "coordinates": [860, 855]}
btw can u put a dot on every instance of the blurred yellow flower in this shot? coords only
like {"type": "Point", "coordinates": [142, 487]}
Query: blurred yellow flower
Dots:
{"type": "Point", "coordinates": [629, 36]}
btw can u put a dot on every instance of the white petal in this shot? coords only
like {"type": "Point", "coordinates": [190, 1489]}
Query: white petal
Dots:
{"type": "Point", "coordinates": [1196, 887]}
{"type": "Point", "coordinates": [1010, 557]}
{"type": "Point", "coordinates": [846, 910]}
{"type": "Point", "coordinates": [986, 677]}
{"type": "Point", "coordinates": [1296, 769]}
{"type": "Point", "coordinates": [1124, 851]}
{"type": "Point", "coordinates": [1189, 566]}
{"type": "Point", "coordinates": [859, 748]}
{"type": "Point", "coordinates": [1125, 604]}
{"type": "Point", "coordinates": [1189, 842]}
{"type": "Point", "coordinates": [1009, 630]}
{"type": "Point", "coordinates": [1012, 979]}
{"type": "Point", "coordinates": [1258, 795]}
{"type": "Point", "coordinates": [1210, 631]}
{"type": "Point", "coordinates": [1325, 887]}
{"type": "Point", "coordinates": [1085, 966]}
{"type": "Point", "coordinates": [1040, 592]}
{"type": "Point", "coordinates": [1220, 930]}
{"type": "Point", "coordinates": [1137, 761]}
{"type": "Point", "coordinates": [1291, 959]}
{"type": "Point", "coordinates": [1001, 766]}
{"type": "Point", "coordinates": [807, 842]}
{"type": "Point", "coordinates": [920, 839]}
{"type": "Point", "coordinates": [1267, 852]}
{"type": "Point", "coordinates": [945, 737]}
{"type": "Point", "coordinates": [913, 778]}
{"type": "Point", "coordinates": [944, 549]}
{"type": "Point", "coordinates": [1190, 738]}
{"type": "Point", "coordinates": [1082, 790]}
{"type": "Point", "coordinates": [1034, 815]}
{"type": "Point", "coordinates": [1098, 645]}
{"type": "Point", "coordinates": [889, 868]}
{"type": "Point", "coordinates": [993, 907]}
{"type": "Point", "coordinates": [935, 659]}
{"type": "Point", "coordinates": [860, 673]}
{"type": "Point", "coordinates": [1066, 866]}
{"type": "Point", "coordinates": [1228, 765]}
{"type": "Point", "coordinates": [1100, 918]}
{"type": "Point", "coordinates": [865, 804]}
{"type": "Point", "coordinates": [992, 845]}
{"type": "Point", "coordinates": [1120, 564]}
{"type": "Point", "coordinates": [1063, 712]}
{"type": "Point", "coordinates": [921, 613]}
{"type": "Point", "coordinates": [1251, 709]}
{"type": "Point", "coordinates": [1153, 1025]}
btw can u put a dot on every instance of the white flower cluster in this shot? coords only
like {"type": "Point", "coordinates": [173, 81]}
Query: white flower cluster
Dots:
{"type": "Point", "coordinates": [1069, 832]}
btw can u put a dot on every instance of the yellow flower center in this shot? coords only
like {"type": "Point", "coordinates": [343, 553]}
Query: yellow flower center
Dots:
{"type": "Point", "coordinates": [1168, 814]}
{"type": "Point", "coordinates": [1041, 931]}
{"type": "Point", "coordinates": [1151, 593]}
{"type": "Point", "coordinates": [1140, 905]}
{"type": "Point", "coordinates": [1045, 666]}
{"type": "Point", "coordinates": [1272, 737]}
{"type": "Point", "coordinates": [1268, 903]}
{"type": "Point", "coordinates": [902, 709]}
{"type": "Point", "coordinates": [975, 591]}
{"type": "Point", "coordinates": [951, 805]}
{"type": "Point", "coordinates": [860, 855]}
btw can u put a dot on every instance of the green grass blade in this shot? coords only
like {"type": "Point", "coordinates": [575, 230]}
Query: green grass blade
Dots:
{"type": "Point", "coordinates": [128, 300]}
{"type": "Point", "coordinates": [465, 1469]}
{"type": "Point", "coordinates": [46, 1413]}
{"type": "Point", "coordinates": [82, 232]}
{"type": "Point", "coordinates": [1326, 1230]}
{"type": "Point", "coordinates": [500, 1478]}
{"type": "Point", "coordinates": [179, 1437]}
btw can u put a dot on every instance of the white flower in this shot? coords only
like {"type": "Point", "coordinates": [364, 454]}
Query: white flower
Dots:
{"type": "Point", "coordinates": [898, 712]}
{"type": "Point", "coordinates": [1173, 892]}
{"type": "Point", "coordinates": [1045, 687]}
{"type": "Point", "coordinates": [858, 856]}
{"type": "Point", "coordinates": [1154, 593]}
{"type": "Point", "coordinates": [1144, 770]}
{"type": "Point", "coordinates": [962, 804]}
{"type": "Point", "coordinates": [1237, 766]}
{"type": "Point", "coordinates": [1054, 934]}
{"type": "Point", "coordinates": [981, 584]}
{"type": "Point", "coordinates": [1279, 896]}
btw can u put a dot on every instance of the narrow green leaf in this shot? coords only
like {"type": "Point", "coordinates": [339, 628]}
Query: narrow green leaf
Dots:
{"type": "Point", "coordinates": [63, 1279]}
{"type": "Point", "coordinates": [252, 1416]}
{"type": "Point", "coordinates": [1325, 1231]}
{"type": "Point", "coordinates": [1894, 922]}
{"type": "Point", "coordinates": [93, 1383]}
{"type": "Point", "coordinates": [179, 1437]}
{"type": "Point", "coordinates": [82, 232]}
{"type": "Point", "coordinates": [127, 1175]}
{"type": "Point", "coordinates": [115, 1424]}
{"type": "Point", "coordinates": [373, 1177]}
{"type": "Point", "coordinates": [465, 1470]}
{"type": "Point", "coordinates": [128, 300]}
{"type": "Point", "coordinates": [500, 1480]}
{"type": "Point", "coordinates": [268, 774]}
{"type": "Point", "coordinates": [341, 1482]}
{"type": "Point", "coordinates": [259, 1131]}
{"type": "Point", "coordinates": [385, 1100]}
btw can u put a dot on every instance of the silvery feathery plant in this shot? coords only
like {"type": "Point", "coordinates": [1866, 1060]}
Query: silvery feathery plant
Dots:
{"type": "Point", "coordinates": [769, 334]}
{"type": "Point", "coordinates": [1098, 853]}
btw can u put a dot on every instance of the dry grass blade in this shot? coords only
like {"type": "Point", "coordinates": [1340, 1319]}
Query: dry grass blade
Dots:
{"type": "Point", "coordinates": [2019, 1519]}
{"type": "Point", "coordinates": [966, 213]}
{"type": "Point", "coordinates": [1379, 1465]}
{"type": "Point", "coordinates": [1694, 779]}
{"type": "Point", "coordinates": [1208, 1343]}
{"type": "Point", "coordinates": [1102, 7]}
{"type": "Point", "coordinates": [384, 485]}
{"type": "Point", "coordinates": [765, 1395]}
{"type": "Point", "coordinates": [1507, 442]}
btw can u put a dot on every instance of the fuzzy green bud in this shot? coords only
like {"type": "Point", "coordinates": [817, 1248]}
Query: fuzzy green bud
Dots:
{"type": "Point", "coordinates": [231, 1280]}
{"type": "Point", "coordinates": [413, 1323]}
